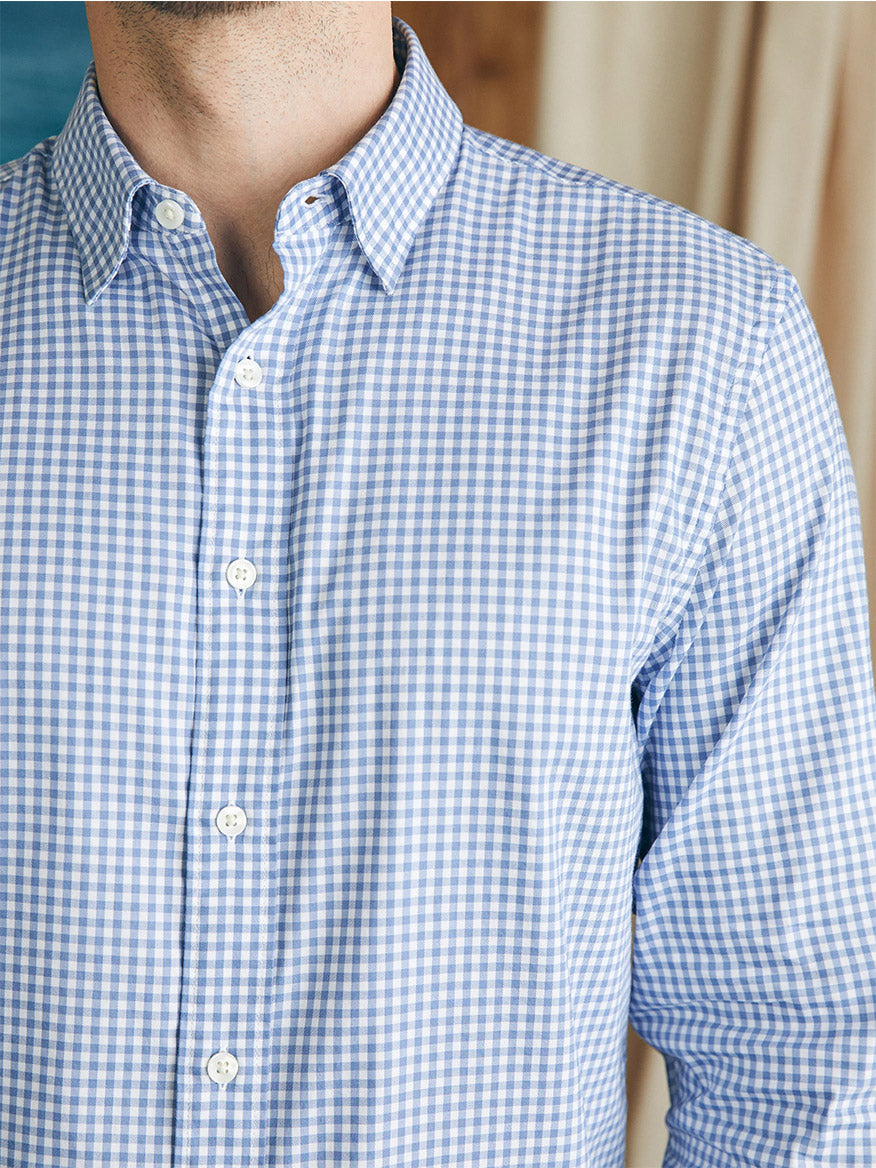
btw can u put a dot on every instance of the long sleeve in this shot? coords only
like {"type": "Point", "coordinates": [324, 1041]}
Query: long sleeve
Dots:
{"type": "Point", "coordinates": [755, 955]}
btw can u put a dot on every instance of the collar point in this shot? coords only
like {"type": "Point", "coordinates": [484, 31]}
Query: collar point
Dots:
{"type": "Point", "coordinates": [388, 283]}
{"type": "Point", "coordinates": [93, 284]}
{"type": "Point", "coordinates": [89, 293]}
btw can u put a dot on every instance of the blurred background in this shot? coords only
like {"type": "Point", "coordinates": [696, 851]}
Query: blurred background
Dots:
{"type": "Point", "coordinates": [760, 116]}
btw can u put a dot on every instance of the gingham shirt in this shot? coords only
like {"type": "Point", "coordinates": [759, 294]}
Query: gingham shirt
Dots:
{"type": "Point", "coordinates": [352, 658]}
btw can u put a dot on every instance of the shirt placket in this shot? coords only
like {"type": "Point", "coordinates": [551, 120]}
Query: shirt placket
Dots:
{"type": "Point", "coordinates": [252, 429]}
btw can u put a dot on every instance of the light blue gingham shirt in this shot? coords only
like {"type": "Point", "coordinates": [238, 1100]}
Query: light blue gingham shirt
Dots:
{"type": "Point", "coordinates": [353, 658]}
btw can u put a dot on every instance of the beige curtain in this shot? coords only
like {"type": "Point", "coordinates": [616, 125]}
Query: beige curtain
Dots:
{"type": "Point", "coordinates": [761, 117]}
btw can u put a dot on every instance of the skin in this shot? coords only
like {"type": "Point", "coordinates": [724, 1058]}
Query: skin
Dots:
{"type": "Point", "coordinates": [236, 103]}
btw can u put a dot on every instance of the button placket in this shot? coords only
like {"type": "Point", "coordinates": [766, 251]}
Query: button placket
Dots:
{"type": "Point", "coordinates": [231, 819]}
{"type": "Point", "coordinates": [244, 493]}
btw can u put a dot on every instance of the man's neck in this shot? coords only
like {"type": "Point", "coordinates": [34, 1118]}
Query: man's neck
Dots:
{"type": "Point", "coordinates": [235, 109]}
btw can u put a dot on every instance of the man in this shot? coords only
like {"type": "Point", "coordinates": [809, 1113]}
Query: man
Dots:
{"type": "Point", "coordinates": [419, 550]}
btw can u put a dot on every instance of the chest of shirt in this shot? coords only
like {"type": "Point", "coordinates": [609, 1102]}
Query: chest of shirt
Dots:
{"type": "Point", "coordinates": [392, 487]}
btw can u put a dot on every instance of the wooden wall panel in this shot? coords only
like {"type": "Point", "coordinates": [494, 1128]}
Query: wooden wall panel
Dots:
{"type": "Point", "coordinates": [487, 56]}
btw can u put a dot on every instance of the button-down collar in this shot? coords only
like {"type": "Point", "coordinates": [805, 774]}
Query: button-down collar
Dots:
{"type": "Point", "coordinates": [390, 177]}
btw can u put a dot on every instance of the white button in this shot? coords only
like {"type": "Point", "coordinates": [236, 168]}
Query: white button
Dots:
{"type": "Point", "coordinates": [222, 1067]}
{"type": "Point", "coordinates": [248, 373]}
{"type": "Point", "coordinates": [169, 213]}
{"type": "Point", "coordinates": [231, 820]}
{"type": "Point", "coordinates": [240, 574]}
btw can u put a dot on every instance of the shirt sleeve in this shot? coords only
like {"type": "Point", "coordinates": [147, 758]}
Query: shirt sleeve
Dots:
{"type": "Point", "coordinates": [754, 965]}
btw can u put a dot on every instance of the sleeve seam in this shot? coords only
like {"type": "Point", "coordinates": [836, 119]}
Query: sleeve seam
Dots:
{"type": "Point", "coordinates": [670, 628]}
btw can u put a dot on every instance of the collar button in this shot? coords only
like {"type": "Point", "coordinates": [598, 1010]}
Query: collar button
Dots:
{"type": "Point", "coordinates": [169, 214]}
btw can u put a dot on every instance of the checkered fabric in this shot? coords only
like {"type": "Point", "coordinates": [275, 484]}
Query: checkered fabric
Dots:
{"type": "Point", "coordinates": [546, 561]}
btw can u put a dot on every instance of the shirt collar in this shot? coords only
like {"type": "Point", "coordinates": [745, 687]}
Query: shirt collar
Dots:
{"type": "Point", "coordinates": [391, 176]}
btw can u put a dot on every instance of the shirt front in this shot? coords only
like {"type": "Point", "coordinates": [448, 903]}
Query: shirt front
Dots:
{"type": "Point", "coordinates": [363, 666]}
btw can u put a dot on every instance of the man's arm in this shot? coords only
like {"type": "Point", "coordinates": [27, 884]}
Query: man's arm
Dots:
{"type": "Point", "coordinates": [755, 951]}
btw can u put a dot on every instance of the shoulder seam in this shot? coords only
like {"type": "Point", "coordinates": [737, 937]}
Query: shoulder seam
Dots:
{"type": "Point", "coordinates": [591, 179]}
{"type": "Point", "coordinates": [537, 163]}
{"type": "Point", "coordinates": [8, 170]}
{"type": "Point", "coordinates": [774, 304]}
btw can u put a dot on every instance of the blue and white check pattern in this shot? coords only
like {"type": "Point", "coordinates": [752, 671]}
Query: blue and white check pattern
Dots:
{"type": "Point", "coordinates": [558, 564]}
